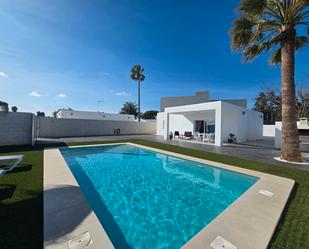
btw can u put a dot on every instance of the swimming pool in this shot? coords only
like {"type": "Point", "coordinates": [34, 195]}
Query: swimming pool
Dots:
{"type": "Point", "coordinates": [146, 199]}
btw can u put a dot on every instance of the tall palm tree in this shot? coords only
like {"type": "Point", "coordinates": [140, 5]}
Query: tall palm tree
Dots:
{"type": "Point", "coordinates": [137, 74]}
{"type": "Point", "coordinates": [273, 25]}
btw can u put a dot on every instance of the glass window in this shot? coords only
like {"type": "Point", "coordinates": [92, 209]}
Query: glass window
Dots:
{"type": "Point", "coordinates": [210, 127]}
{"type": "Point", "coordinates": [199, 126]}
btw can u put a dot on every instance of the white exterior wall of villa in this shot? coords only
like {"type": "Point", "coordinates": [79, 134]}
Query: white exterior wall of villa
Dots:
{"type": "Point", "coordinates": [179, 123]}
{"type": "Point", "coordinates": [234, 122]}
{"type": "Point", "coordinates": [245, 124]}
{"type": "Point", "coordinates": [169, 121]}
{"type": "Point", "coordinates": [255, 125]}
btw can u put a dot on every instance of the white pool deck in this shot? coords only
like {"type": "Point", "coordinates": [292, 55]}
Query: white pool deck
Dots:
{"type": "Point", "coordinates": [247, 223]}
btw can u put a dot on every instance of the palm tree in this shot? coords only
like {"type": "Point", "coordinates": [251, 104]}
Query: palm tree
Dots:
{"type": "Point", "coordinates": [273, 25]}
{"type": "Point", "coordinates": [129, 108]}
{"type": "Point", "coordinates": [137, 74]}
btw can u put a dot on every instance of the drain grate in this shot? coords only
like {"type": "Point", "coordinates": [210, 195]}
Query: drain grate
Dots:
{"type": "Point", "coordinates": [220, 243]}
{"type": "Point", "coordinates": [81, 241]}
{"type": "Point", "coordinates": [266, 192]}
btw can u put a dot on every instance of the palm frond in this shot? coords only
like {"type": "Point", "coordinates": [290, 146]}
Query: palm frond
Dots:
{"type": "Point", "coordinates": [255, 50]}
{"type": "Point", "coordinates": [264, 24]}
{"type": "Point", "coordinates": [275, 57]}
{"type": "Point", "coordinates": [301, 41]}
{"type": "Point", "coordinates": [253, 7]}
{"type": "Point", "coordinates": [137, 73]}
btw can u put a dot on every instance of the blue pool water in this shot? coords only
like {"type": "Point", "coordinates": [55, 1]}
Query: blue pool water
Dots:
{"type": "Point", "coordinates": [147, 200]}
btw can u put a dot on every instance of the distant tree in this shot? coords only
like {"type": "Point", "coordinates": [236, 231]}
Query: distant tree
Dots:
{"type": "Point", "coordinates": [137, 73]}
{"type": "Point", "coordinates": [302, 102]}
{"type": "Point", "coordinates": [260, 102]}
{"type": "Point", "coordinates": [269, 103]}
{"type": "Point", "coordinates": [129, 108]}
{"type": "Point", "coordinates": [274, 105]}
{"type": "Point", "coordinates": [151, 114]}
{"type": "Point", "coordinates": [14, 109]}
{"type": "Point", "coordinates": [55, 113]}
{"type": "Point", "coordinates": [4, 107]}
{"type": "Point", "coordinates": [40, 114]}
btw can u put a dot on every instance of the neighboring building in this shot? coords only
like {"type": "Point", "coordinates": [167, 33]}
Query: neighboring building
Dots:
{"type": "Point", "coordinates": [218, 118]}
{"type": "Point", "coordinates": [199, 97]}
{"type": "Point", "coordinates": [66, 113]}
{"type": "Point", "coordinates": [4, 107]}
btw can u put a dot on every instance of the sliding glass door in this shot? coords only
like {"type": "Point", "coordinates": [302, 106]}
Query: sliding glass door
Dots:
{"type": "Point", "coordinates": [203, 126]}
{"type": "Point", "coordinates": [200, 126]}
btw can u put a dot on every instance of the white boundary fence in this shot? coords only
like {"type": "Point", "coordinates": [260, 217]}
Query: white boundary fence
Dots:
{"type": "Point", "coordinates": [56, 127]}
{"type": "Point", "coordinates": [17, 128]}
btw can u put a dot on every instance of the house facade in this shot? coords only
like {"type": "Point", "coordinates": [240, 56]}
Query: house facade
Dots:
{"type": "Point", "coordinates": [215, 118]}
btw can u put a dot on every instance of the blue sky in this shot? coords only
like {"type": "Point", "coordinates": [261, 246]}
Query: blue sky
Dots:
{"type": "Point", "coordinates": [71, 53]}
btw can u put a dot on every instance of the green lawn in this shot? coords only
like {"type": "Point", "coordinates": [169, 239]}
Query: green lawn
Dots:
{"type": "Point", "coordinates": [21, 207]}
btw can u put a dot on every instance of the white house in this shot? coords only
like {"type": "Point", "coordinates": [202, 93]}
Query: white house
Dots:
{"type": "Point", "coordinates": [67, 113]}
{"type": "Point", "coordinates": [218, 118]}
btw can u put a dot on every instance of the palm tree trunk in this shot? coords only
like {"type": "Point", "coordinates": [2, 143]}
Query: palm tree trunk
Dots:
{"type": "Point", "coordinates": [289, 135]}
{"type": "Point", "coordinates": [139, 101]}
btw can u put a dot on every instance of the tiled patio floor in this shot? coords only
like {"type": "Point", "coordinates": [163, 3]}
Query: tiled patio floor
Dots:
{"type": "Point", "coordinates": [259, 150]}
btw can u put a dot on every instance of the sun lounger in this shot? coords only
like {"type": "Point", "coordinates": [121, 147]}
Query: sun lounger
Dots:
{"type": "Point", "coordinates": [4, 159]}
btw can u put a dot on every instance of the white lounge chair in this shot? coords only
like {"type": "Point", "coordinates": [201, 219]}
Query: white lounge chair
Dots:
{"type": "Point", "coordinates": [4, 159]}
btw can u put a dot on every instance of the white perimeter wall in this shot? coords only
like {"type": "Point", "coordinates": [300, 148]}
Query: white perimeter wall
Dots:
{"type": "Point", "coordinates": [303, 146]}
{"type": "Point", "coordinates": [24, 128]}
{"type": "Point", "coordinates": [16, 128]}
{"type": "Point", "coordinates": [269, 130]}
{"type": "Point", "coordinates": [59, 127]}
{"type": "Point", "coordinates": [94, 115]}
{"type": "Point", "coordinates": [278, 126]}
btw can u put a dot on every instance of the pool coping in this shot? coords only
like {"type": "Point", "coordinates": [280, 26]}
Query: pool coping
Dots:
{"type": "Point", "coordinates": [249, 222]}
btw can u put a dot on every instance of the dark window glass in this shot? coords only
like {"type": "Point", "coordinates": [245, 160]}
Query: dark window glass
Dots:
{"type": "Point", "coordinates": [211, 128]}
{"type": "Point", "coordinates": [199, 126]}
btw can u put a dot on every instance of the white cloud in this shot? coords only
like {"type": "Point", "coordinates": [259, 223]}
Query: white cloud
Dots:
{"type": "Point", "coordinates": [35, 94]}
{"type": "Point", "coordinates": [62, 95]}
{"type": "Point", "coordinates": [3, 74]}
{"type": "Point", "coordinates": [123, 93]}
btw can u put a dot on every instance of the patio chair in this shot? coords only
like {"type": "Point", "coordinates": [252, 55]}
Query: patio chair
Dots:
{"type": "Point", "coordinates": [176, 134]}
{"type": "Point", "coordinates": [198, 136]}
{"type": "Point", "coordinates": [187, 135]}
{"type": "Point", "coordinates": [212, 137]}
{"type": "Point", "coordinates": [4, 159]}
{"type": "Point", "coordinates": [206, 138]}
